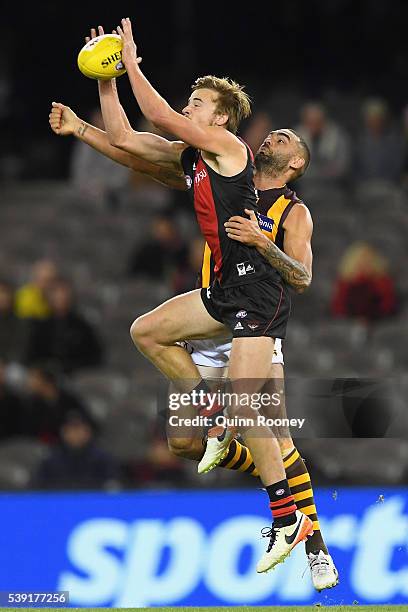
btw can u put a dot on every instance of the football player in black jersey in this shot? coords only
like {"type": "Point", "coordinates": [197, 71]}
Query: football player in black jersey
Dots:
{"type": "Point", "coordinates": [276, 200]}
{"type": "Point", "coordinates": [193, 321]}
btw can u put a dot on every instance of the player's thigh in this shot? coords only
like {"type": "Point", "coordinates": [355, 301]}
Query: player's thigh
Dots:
{"type": "Point", "coordinates": [251, 357]}
{"type": "Point", "coordinates": [183, 317]}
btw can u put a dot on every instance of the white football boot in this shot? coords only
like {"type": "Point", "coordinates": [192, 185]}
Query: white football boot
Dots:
{"type": "Point", "coordinates": [323, 571]}
{"type": "Point", "coordinates": [215, 451]}
{"type": "Point", "coordinates": [283, 540]}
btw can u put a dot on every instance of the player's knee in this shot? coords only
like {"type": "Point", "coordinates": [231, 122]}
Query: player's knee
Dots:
{"type": "Point", "coordinates": [141, 332]}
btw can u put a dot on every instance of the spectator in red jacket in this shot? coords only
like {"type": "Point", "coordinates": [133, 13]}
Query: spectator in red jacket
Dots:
{"type": "Point", "coordinates": [364, 289]}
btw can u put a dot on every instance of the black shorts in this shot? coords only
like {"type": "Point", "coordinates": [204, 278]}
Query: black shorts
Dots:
{"type": "Point", "coordinates": [254, 310]}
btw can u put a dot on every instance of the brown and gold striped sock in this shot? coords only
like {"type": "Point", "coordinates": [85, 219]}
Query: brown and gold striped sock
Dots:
{"type": "Point", "coordinates": [239, 458]}
{"type": "Point", "coordinates": [301, 487]}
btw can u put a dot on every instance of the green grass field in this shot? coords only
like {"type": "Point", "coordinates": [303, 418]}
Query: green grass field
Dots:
{"type": "Point", "coordinates": [317, 608]}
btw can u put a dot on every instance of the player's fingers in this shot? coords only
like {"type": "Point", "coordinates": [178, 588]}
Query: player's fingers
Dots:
{"type": "Point", "coordinates": [100, 31]}
{"type": "Point", "coordinates": [233, 232]}
{"type": "Point", "coordinates": [93, 33]}
{"type": "Point", "coordinates": [87, 39]}
{"type": "Point", "coordinates": [236, 219]}
{"type": "Point", "coordinates": [233, 224]}
{"type": "Point", "coordinates": [139, 60]}
{"type": "Point", "coordinates": [235, 237]}
{"type": "Point", "coordinates": [120, 31]}
{"type": "Point", "coordinates": [250, 213]}
{"type": "Point", "coordinates": [114, 32]}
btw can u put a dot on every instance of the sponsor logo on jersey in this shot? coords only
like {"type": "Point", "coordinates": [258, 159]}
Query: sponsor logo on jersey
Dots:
{"type": "Point", "coordinates": [253, 325]}
{"type": "Point", "coordinates": [119, 66]}
{"type": "Point", "coordinates": [280, 491]}
{"type": "Point", "coordinates": [199, 176]}
{"type": "Point", "coordinates": [245, 268]}
{"type": "Point", "coordinates": [189, 181]}
{"type": "Point", "coordinates": [265, 223]}
{"type": "Point", "coordinates": [241, 314]}
{"type": "Point", "coordinates": [208, 293]}
{"type": "Point", "coordinates": [239, 325]}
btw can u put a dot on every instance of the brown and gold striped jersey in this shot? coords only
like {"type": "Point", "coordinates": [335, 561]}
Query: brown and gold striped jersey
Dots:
{"type": "Point", "coordinates": [274, 206]}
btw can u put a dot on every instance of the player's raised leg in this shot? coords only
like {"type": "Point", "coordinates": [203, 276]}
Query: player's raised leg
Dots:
{"type": "Point", "coordinates": [249, 368]}
{"type": "Point", "coordinates": [155, 334]}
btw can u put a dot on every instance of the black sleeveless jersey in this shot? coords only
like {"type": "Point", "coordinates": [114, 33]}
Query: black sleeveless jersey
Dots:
{"type": "Point", "coordinates": [216, 198]}
{"type": "Point", "coordinates": [274, 205]}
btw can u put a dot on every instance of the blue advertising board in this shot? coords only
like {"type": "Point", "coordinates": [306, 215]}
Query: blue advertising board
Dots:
{"type": "Point", "coordinates": [197, 548]}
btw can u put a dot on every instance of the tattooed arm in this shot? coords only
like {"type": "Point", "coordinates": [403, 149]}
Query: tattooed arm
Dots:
{"type": "Point", "coordinates": [294, 264]}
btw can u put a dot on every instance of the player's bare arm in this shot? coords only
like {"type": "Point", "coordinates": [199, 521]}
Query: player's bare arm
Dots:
{"type": "Point", "coordinates": [212, 139]}
{"type": "Point", "coordinates": [295, 264]}
{"type": "Point", "coordinates": [150, 147]}
{"type": "Point", "coordinates": [64, 122]}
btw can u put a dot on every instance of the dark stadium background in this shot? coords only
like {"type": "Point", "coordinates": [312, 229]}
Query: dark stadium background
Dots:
{"type": "Point", "coordinates": [308, 47]}
{"type": "Point", "coordinates": [346, 373]}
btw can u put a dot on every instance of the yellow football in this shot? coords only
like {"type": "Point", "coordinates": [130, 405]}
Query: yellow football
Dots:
{"type": "Point", "coordinates": [101, 58]}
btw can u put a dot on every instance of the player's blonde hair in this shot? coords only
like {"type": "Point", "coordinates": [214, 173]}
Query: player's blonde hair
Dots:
{"type": "Point", "coordinates": [232, 99]}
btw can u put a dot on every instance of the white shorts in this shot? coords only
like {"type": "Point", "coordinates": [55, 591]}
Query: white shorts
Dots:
{"type": "Point", "coordinates": [215, 353]}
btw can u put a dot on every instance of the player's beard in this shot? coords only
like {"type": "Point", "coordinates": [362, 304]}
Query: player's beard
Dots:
{"type": "Point", "coordinates": [272, 164]}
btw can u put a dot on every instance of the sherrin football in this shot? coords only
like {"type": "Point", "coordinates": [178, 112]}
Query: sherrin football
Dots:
{"type": "Point", "coordinates": [101, 57]}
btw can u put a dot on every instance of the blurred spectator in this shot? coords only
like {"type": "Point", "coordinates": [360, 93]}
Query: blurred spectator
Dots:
{"type": "Point", "coordinates": [47, 403]}
{"type": "Point", "coordinates": [160, 466]}
{"type": "Point", "coordinates": [379, 150]}
{"type": "Point", "coordinates": [259, 127]}
{"type": "Point", "coordinates": [364, 289]}
{"type": "Point", "coordinates": [161, 253]}
{"type": "Point", "coordinates": [31, 300]}
{"type": "Point", "coordinates": [13, 331]}
{"type": "Point", "coordinates": [328, 142]}
{"type": "Point", "coordinates": [96, 177]}
{"type": "Point", "coordinates": [186, 275]}
{"type": "Point", "coordinates": [77, 462]}
{"type": "Point", "coordinates": [65, 337]}
{"type": "Point", "coordinates": [11, 409]}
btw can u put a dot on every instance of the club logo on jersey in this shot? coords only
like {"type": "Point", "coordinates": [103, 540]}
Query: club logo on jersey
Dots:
{"type": "Point", "coordinates": [241, 314]}
{"type": "Point", "coordinates": [189, 181]}
{"type": "Point", "coordinates": [239, 325]}
{"type": "Point", "coordinates": [253, 325]}
{"type": "Point", "coordinates": [245, 268]}
{"type": "Point", "coordinates": [208, 293]}
{"type": "Point", "coordinates": [265, 223]}
{"type": "Point", "coordinates": [200, 176]}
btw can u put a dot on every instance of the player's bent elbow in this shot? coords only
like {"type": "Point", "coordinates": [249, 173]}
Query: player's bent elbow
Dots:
{"type": "Point", "coordinates": [304, 286]}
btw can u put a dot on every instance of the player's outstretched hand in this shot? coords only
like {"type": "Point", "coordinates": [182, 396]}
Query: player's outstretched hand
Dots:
{"type": "Point", "coordinates": [94, 34]}
{"type": "Point", "coordinates": [244, 230]}
{"type": "Point", "coordinates": [63, 120]}
{"type": "Point", "coordinates": [129, 51]}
